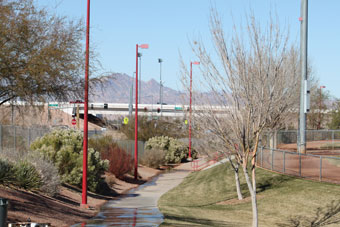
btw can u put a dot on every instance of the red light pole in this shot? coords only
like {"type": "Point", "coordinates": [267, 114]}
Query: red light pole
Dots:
{"type": "Point", "coordinates": [320, 106]}
{"type": "Point", "coordinates": [190, 109]}
{"type": "Point", "coordinates": [85, 146]}
{"type": "Point", "coordinates": [142, 46]}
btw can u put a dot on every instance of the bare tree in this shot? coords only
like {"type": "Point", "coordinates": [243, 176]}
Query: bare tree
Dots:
{"type": "Point", "coordinates": [254, 84]}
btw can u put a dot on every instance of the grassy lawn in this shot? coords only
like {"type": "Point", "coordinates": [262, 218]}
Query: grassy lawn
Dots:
{"type": "Point", "coordinates": [208, 198]}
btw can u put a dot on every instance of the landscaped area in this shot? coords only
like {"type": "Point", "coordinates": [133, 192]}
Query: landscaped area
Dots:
{"type": "Point", "coordinates": [208, 198]}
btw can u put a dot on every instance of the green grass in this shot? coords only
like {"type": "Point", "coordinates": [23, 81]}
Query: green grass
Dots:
{"type": "Point", "coordinates": [282, 200]}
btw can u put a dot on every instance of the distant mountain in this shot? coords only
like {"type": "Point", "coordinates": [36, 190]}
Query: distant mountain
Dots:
{"type": "Point", "coordinates": [116, 89]}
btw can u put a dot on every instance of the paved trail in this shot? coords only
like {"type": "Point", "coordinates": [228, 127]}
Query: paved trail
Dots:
{"type": "Point", "coordinates": [139, 206]}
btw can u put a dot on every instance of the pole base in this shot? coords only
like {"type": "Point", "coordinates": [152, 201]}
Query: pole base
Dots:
{"type": "Point", "coordinates": [189, 159]}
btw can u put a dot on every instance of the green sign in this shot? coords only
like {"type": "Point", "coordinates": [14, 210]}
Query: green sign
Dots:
{"type": "Point", "coordinates": [126, 120]}
{"type": "Point", "coordinates": [178, 108]}
{"type": "Point", "coordinates": [52, 104]}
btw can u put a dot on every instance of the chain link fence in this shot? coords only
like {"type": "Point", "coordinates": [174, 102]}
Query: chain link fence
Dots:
{"type": "Point", "coordinates": [316, 167]}
{"type": "Point", "coordinates": [19, 138]}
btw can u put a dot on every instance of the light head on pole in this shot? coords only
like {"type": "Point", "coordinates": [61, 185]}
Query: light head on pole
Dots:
{"type": "Point", "coordinates": [144, 46]}
{"type": "Point", "coordinates": [196, 63]}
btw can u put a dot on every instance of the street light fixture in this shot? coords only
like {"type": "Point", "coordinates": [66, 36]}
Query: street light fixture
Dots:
{"type": "Point", "coordinates": [86, 101]}
{"type": "Point", "coordinates": [140, 76]}
{"type": "Point", "coordinates": [320, 106]}
{"type": "Point", "coordinates": [160, 84]}
{"type": "Point", "coordinates": [190, 108]}
{"type": "Point", "coordinates": [142, 46]}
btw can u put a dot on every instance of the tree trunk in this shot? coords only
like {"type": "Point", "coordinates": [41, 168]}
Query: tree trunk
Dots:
{"type": "Point", "coordinates": [253, 196]}
{"type": "Point", "coordinates": [238, 186]}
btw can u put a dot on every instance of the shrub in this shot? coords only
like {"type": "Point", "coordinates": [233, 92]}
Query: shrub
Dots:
{"type": "Point", "coordinates": [47, 171]}
{"type": "Point", "coordinates": [102, 143]}
{"type": "Point", "coordinates": [149, 128]}
{"type": "Point", "coordinates": [6, 171]}
{"type": "Point", "coordinates": [26, 176]}
{"type": "Point", "coordinates": [120, 162]}
{"type": "Point", "coordinates": [175, 151]}
{"type": "Point", "coordinates": [153, 158]}
{"type": "Point", "coordinates": [65, 149]}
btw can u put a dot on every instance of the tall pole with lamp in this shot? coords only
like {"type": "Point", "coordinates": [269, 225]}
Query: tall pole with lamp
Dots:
{"type": "Point", "coordinates": [142, 46]}
{"type": "Point", "coordinates": [86, 97]}
{"type": "Point", "coordinates": [190, 107]}
{"type": "Point", "coordinates": [304, 91]}
{"type": "Point", "coordinates": [140, 76]}
{"type": "Point", "coordinates": [160, 84]}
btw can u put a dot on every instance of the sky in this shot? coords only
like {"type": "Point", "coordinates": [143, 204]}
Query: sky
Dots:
{"type": "Point", "coordinates": [169, 25]}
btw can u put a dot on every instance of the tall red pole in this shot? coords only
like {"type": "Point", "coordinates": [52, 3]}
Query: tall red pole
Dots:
{"type": "Point", "coordinates": [190, 111]}
{"type": "Point", "coordinates": [136, 117]}
{"type": "Point", "coordinates": [85, 146]}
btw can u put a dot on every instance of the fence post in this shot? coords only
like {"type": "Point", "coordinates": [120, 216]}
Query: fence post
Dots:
{"type": "Point", "coordinates": [1, 138]}
{"type": "Point", "coordinates": [29, 138]}
{"type": "Point", "coordinates": [300, 164]}
{"type": "Point", "coordinates": [332, 139]}
{"type": "Point", "coordinates": [284, 162]}
{"type": "Point", "coordinates": [271, 151]}
{"type": "Point", "coordinates": [320, 177]}
{"type": "Point", "coordinates": [261, 156]}
{"type": "Point", "coordinates": [15, 138]}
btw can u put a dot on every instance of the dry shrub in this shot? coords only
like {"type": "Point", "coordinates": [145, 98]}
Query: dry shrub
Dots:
{"type": "Point", "coordinates": [153, 158]}
{"type": "Point", "coordinates": [120, 162]}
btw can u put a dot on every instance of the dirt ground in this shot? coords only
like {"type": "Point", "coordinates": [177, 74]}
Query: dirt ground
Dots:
{"type": "Point", "coordinates": [64, 209]}
{"type": "Point", "coordinates": [319, 163]}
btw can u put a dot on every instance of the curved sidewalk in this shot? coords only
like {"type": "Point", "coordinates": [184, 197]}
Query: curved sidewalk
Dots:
{"type": "Point", "coordinates": [139, 206]}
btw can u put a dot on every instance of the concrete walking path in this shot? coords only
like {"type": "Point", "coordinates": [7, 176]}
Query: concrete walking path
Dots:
{"type": "Point", "coordinates": [139, 206]}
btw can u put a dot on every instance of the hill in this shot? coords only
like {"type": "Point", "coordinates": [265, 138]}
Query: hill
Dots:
{"type": "Point", "coordinates": [116, 89]}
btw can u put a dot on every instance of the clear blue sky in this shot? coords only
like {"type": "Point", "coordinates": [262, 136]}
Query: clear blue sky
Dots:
{"type": "Point", "coordinates": [167, 25]}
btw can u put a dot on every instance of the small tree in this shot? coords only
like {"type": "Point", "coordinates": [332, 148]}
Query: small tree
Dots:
{"type": "Point", "coordinates": [41, 55]}
{"type": "Point", "coordinates": [254, 87]}
{"type": "Point", "coordinates": [320, 98]}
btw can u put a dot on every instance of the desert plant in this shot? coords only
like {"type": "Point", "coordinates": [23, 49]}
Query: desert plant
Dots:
{"type": "Point", "coordinates": [65, 149]}
{"type": "Point", "coordinates": [149, 128]}
{"type": "Point", "coordinates": [102, 143]}
{"type": "Point", "coordinates": [120, 162]}
{"type": "Point", "coordinates": [175, 151]}
{"type": "Point", "coordinates": [48, 173]}
{"type": "Point", "coordinates": [153, 158]}
{"type": "Point", "coordinates": [6, 171]}
{"type": "Point", "coordinates": [26, 176]}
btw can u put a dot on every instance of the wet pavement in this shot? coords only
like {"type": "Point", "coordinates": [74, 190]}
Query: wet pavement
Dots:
{"type": "Point", "coordinates": [139, 206]}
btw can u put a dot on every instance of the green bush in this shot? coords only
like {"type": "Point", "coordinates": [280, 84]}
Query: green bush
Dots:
{"type": "Point", "coordinates": [26, 176]}
{"type": "Point", "coordinates": [65, 149]}
{"type": "Point", "coordinates": [153, 158]}
{"type": "Point", "coordinates": [175, 151]}
{"type": "Point", "coordinates": [6, 172]}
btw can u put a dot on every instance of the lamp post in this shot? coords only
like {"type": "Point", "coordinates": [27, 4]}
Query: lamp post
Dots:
{"type": "Point", "coordinates": [86, 100]}
{"type": "Point", "coordinates": [142, 46]}
{"type": "Point", "coordinates": [140, 76]}
{"type": "Point", "coordinates": [303, 64]}
{"type": "Point", "coordinates": [160, 84]}
{"type": "Point", "coordinates": [190, 108]}
{"type": "Point", "coordinates": [320, 106]}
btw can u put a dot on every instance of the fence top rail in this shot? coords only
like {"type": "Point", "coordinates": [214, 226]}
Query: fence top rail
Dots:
{"type": "Point", "coordinates": [295, 153]}
{"type": "Point", "coordinates": [309, 130]}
